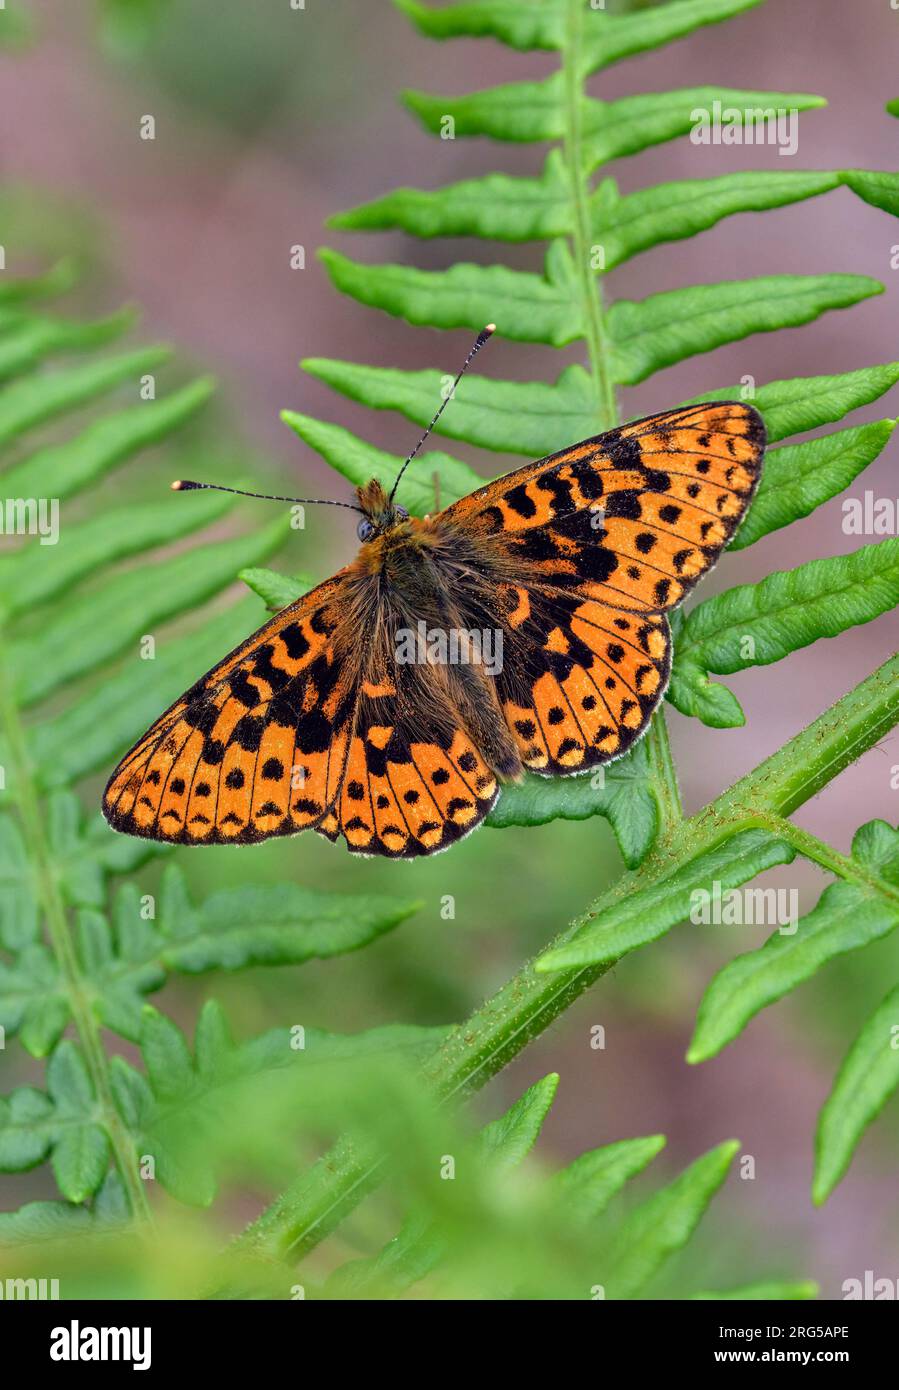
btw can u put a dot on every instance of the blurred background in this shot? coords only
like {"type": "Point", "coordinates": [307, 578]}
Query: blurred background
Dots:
{"type": "Point", "coordinates": [268, 119]}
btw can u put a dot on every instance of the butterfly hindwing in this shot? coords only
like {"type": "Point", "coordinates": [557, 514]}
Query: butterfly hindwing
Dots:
{"type": "Point", "coordinates": [415, 782]}
{"type": "Point", "coordinates": [580, 679]}
{"type": "Point", "coordinates": [256, 747]}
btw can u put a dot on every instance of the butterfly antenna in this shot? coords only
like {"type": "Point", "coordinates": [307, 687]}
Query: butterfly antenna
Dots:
{"type": "Point", "coordinates": [185, 485]}
{"type": "Point", "coordinates": [479, 342]}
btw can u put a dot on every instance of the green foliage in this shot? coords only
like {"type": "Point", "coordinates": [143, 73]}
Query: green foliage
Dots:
{"type": "Point", "coordinates": [126, 25]}
{"type": "Point", "coordinates": [590, 228]}
{"type": "Point", "coordinates": [866, 1080]}
{"type": "Point", "coordinates": [801, 477]}
{"type": "Point", "coordinates": [59, 1124]}
{"type": "Point", "coordinates": [622, 792]}
{"type": "Point", "coordinates": [124, 956]}
{"type": "Point", "coordinates": [68, 610]}
{"type": "Point", "coordinates": [653, 910]}
{"type": "Point", "coordinates": [583, 1241]}
{"type": "Point", "coordinates": [860, 908]}
{"type": "Point", "coordinates": [756, 624]}
{"type": "Point", "coordinates": [14, 27]}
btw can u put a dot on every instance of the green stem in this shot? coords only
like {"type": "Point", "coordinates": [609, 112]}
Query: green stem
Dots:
{"type": "Point", "coordinates": [841, 865]}
{"type": "Point", "coordinates": [815, 756]}
{"type": "Point", "coordinates": [599, 348]}
{"type": "Point", "coordinates": [591, 300]}
{"type": "Point", "coordinates": [664, 775]}
{"type": "Point", "coordinates": [523, 1008]}
{"type": "Point", "coordinates": [56, 918]}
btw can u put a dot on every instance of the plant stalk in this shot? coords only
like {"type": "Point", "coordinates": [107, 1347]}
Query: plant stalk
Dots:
{"type": "Point", "coordinates": [475, 1051]}
{"type": "Point", "coordinates": [57, 921]}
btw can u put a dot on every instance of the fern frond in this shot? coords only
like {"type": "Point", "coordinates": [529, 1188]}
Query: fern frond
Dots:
{"type": "Point", "coordinates": [570, 203]}
{"type": "Point", "coordinates": [609, 1252]}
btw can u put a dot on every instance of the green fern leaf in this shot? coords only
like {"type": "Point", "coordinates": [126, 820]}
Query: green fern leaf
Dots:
{"type": "Point", "coordinates": [123, 959]}
{"type": "Point", "coordinates": [27, 340]}
{"type": "Point", "coordinates": [34, 575]}
{"type": "Point", "coordinates": [359, 462]}
{"type": "Point", "coordinates": [664, 329]}
{"type": "Point", "coordinates": [847, 917]}
{"type": "Point", "coordinates": [804, 403]}
{"type": "Point", "coordinates": [276, 590]}
{"type": "Point", "coordinates": [649, 913]}
{"type": "Point", "coordinates": [60, 1125]}
{"type": "Point", "coordinates": [604, 39]}
{"type": "Point", "coordinates": [521, 417]}
{"type": "Point", "coordinates": [529, 308]}
{"type": "Point", "coordinates": [281, 925]}
{"type": "Point", "coordinates": [756, 624]}
{"type": "Point", "coordinates": [800, 477]}
{"type": "Point", "coordinates": [507, 1141]}
{"type": "Point", "coordinates": [37, 399]}
{"type": "Point", "coordinates": [535, 112]}
{"type": "Point", "coordinates": [764, 1293]}
{"type": "Point", "coordinates": [663, 1224]}
{"type": "Point", "coordinates": [96, 627]}
{"type": "Point", "coordinates": [866, 1080]}
{"type": "Point", "coordinates": [622, 794]}
{"type": "Point", "coordinates": [587, 1186]}
{"type": "Point", "coordinates": [48, 1221]}
{"type": "Point", "coordinates": [61, 470]}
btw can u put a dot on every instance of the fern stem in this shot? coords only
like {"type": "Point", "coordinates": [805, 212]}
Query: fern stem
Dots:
{"type": "Point", "coordinates": [599, 349]}
{"type": "Point", "coordinates": [598, 344]}
{"type": "Point", "coordinates": [58, 931]}
{"type": "Point", "coordinates": [814, 756]}
{"type": "Point", "coordinates": [842, 865]}
{"type": "Point", "coordinates": [667, 788]}
{"type": "Point", "coordinates": [530, 1002]}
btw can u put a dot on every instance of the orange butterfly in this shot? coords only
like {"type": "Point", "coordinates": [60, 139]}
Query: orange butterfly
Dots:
{"type": "Point", "coordinates": [522, 627]}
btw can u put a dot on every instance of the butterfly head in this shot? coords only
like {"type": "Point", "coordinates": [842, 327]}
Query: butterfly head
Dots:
{"type": "Point", "coordinates": [379, 514]}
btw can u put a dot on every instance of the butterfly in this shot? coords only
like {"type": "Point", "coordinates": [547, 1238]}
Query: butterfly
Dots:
{"type": "Point", "coordinates": [367, 710]}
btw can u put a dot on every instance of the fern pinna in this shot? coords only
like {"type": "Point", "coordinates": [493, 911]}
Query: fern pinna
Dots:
{"type": "Point", "coordinates": [83, 957]}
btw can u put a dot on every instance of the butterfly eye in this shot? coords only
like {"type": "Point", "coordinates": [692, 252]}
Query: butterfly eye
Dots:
{"type": "Point", "coordinates": [365, 530]}
{"type": "Point", "coordinates": [401, 514]}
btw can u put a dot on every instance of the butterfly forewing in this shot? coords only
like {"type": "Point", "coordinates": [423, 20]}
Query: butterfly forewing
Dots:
{"type": "Point", "coordinates": [633, 517]}
{"type": "Point", "coordinates": [255, 748]}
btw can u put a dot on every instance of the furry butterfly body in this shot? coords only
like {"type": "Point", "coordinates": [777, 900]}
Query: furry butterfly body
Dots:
{"type": "Point", "coordinates": [318, 722]}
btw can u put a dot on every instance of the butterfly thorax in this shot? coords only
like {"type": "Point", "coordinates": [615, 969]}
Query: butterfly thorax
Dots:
{"type": "Point", "coordinates": [422, 576]}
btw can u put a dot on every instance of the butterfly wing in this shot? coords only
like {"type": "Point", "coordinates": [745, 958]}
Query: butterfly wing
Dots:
{"type": "Point", "coordinates": [258, 746]}
{"type": "Point", "coordinates": [634, 517]}
{"type": "Point", "coordinates": [415, 781]}
{"type": "Point", "coordinates": [600, 541]}
{"type": "Point", "coordinates": [580, 679]}
{"type": "Point", "coordinates": [585, 552]}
